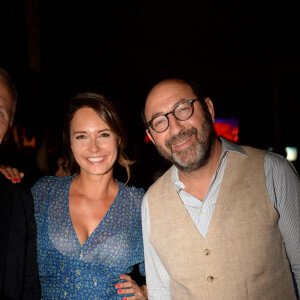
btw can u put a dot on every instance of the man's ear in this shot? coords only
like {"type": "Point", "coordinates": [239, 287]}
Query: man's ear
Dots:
{"type": "Point", "coordinates": [210, 107]}
{"type": "Point", "coordinates": [150, 136]}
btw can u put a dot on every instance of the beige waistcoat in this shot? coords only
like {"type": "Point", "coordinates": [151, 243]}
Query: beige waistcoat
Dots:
{"type": "Point", "coordinates": [242, 256]}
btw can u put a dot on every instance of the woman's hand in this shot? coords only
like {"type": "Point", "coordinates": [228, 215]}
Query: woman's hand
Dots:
{"type": "Point", "coordinates": [130, 287]}
{"type": "Point", "coordinates": [12, 173]}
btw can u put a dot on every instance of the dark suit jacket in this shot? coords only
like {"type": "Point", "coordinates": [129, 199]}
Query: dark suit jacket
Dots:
{"type": "Point", "coordinates": [18, 253]}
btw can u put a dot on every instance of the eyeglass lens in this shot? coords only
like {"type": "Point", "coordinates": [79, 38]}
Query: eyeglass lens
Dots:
{"type": "Point", "coordinates": [181, 112]}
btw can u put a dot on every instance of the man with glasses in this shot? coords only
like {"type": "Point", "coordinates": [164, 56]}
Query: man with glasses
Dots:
{"type": "Point", "coordinates": [223, 221]}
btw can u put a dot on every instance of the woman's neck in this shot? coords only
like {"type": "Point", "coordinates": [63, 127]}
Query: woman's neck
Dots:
{"type": "Point", "coordinates": [95, 186]}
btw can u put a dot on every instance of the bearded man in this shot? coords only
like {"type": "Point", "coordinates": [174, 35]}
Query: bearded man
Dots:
{"type": "Point", "coordinates": [223, 222]}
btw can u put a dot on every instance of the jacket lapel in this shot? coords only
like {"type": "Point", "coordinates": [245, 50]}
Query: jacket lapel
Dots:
{"type": "Point", "coordinates": [6, 203]}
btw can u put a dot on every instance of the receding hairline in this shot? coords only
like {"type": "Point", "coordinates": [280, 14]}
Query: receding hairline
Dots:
{"type": "Point", "coordinates": [167, 81]}
{"type": "Point", "coordinates": [161, 84]}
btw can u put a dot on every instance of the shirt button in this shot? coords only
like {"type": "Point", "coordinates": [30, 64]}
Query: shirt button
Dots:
{"type": "Point", "coordinates": [206, 251]}
{"type": "Point", "coordinates": [210, 278]}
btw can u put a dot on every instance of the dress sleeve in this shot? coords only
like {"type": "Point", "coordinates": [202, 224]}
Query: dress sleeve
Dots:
{"type": "Point", "coordinates": [41, 192]}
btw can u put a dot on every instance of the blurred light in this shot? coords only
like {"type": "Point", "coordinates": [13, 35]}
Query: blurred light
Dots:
{"type": "Point", "coordinates": [291, 153]}
{"type": "Point", "coordinates": [147, 139]}
{"type": "Point", "coordinates": [227, 128]}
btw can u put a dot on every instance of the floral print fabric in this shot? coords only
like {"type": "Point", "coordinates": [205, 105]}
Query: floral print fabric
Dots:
{"type": "Point", "coordinates": [69, 270]}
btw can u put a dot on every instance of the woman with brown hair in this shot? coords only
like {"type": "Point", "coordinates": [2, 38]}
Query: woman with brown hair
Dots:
{"type": "Point", "coordinates": [89, 224]}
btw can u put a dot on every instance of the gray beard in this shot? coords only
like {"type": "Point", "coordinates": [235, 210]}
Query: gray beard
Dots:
{"type": "Point", "coordinates": [197, 155]}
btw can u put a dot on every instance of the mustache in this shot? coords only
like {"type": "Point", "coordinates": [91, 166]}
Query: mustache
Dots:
{"type": "Point", "coordinates": [182, 135]}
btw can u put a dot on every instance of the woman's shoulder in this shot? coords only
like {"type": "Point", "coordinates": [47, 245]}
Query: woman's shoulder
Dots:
{"type": "Point", "coordinates": [46, 183]}
{"type": "Point", "coordinates": [51, 180]}
{"type": "Point", "coordinates": [132, 189]}
{"type": "Point", "coordinates": [46, 180]}
{"type": "Point", "coordinates": [132, 193]}
{"type": "Point", "coordinates": [44, 188]}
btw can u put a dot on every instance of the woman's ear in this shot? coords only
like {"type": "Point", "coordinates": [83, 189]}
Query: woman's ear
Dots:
{"type": "Point", "coordinates": [118, 140]}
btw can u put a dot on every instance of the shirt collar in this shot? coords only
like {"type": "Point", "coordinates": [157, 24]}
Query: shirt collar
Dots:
{"type": "Point", "coordinates": [226, 147]}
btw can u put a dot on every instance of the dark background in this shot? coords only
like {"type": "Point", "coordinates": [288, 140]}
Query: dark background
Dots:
{"type": "Point", "coordinates": [246, 54]}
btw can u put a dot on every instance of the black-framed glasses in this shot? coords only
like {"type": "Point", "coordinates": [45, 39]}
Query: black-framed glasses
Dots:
{"type": "Point", "coordinates": [182, 112]}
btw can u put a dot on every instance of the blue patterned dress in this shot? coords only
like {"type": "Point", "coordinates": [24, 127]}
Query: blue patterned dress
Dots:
{"type": "Point", "coordinates": [69, 270]}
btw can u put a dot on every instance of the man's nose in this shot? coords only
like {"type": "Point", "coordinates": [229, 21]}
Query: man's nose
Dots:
{"type": "Point", "coordinates": [175, 126]}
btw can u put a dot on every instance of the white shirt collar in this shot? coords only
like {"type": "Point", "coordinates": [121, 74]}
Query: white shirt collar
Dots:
{"type": "Point", "coordinates": [226, 147]}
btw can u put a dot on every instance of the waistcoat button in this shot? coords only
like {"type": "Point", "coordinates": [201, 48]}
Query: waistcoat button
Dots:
{"type": "Point", "coordinates": [210, 278]}
{"type": "Point", "coordinates": [206, 251]}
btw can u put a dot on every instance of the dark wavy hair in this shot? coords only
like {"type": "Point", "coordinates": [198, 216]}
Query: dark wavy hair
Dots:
{"type": "Point", "coordinates": [109, 113]}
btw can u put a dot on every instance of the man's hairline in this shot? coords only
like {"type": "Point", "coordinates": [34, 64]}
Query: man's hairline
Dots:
{"type": "Point", "coordinates": [167, 80]}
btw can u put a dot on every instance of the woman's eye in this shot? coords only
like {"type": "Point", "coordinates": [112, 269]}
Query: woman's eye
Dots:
{"type": "Point", "coordinates": [79, 137]}
{"type": "Point", "coordinates": [104, 134]}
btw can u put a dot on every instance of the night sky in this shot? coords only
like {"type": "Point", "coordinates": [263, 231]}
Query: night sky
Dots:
{"type": "Point", "coordinates": [246, 54]}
